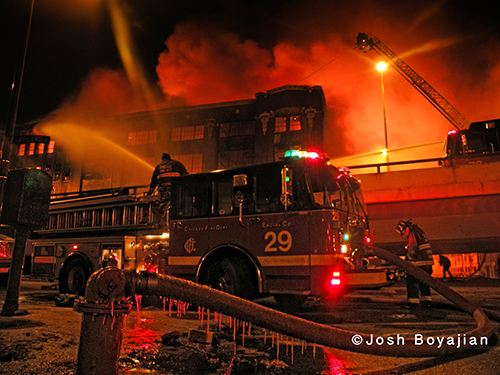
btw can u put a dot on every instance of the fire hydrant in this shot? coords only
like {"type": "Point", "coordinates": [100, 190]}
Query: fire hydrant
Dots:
{"type": "Point", "coordinates": [104, 309]}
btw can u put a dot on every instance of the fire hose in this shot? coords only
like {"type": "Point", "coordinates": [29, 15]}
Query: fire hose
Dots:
{"type": "Point", "coordinates": [109, 289]}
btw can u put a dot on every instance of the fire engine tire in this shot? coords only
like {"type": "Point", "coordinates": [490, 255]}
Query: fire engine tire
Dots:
{"type": "Point", "coordinates": [74, 278]}
{"type": "Point", "coordinates": [231, 275]}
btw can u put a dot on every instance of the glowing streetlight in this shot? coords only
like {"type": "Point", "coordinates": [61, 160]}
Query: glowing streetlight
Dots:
{"type": "Point", "coordinates": [381, 67]}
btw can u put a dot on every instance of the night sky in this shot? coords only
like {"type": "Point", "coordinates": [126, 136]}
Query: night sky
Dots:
{"type": "Point", "coordinates": [196, 52]}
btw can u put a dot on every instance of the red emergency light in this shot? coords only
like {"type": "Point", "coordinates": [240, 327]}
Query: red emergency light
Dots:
{"type": "Point", "coordinates": [336, 279]}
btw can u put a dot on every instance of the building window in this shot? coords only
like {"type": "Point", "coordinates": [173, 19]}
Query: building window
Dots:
{"type": "Point", "coordinates": [40, 149]}
{"type": "Point", "coordinates": [192, 162]}
{"type": "Point", "coordinates": [283, 124]}
{"type": "Point", "coordinates": [132, 138]}
{"type": "Point", "coordinates": [142, 137]}
{"type": "Point", "coordinates": [31, 149]}
{"type": "Point", "coordinates": [199, 132]}
{"type": "Point", "coordinates": [67, 173]}
{"type": "Point", "coordinates": [57, 173]}
{"type": "Point", "coordinates": [294, 123]}
{"type": "Point", "coordinates": [280, 125]}
{"type": "Point", "coordinates": [152, 136]}
{"type": "Point", "coordinates": [233, 129]}
{"type": "Point", "coordinates": [188, 133]}
{"type": "Point", "coordinates": [22, 150]}
{"type": "Point", "coordinates": [176, 134]}
{"type": "Point", "coordinates": [50, 148]}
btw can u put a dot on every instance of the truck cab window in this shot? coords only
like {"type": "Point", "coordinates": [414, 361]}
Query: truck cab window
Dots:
{"type": "Point", "coordinates": [192, 198]}
{"type": "Point", "coordinates": [224, 197]}
{"type": "Point", "coordinates": [267, 192]}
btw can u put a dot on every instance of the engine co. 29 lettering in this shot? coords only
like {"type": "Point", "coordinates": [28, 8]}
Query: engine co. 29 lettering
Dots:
{"type": "Point", "coordinates": [283, 224]}
{"type": "Point", "coordinates": [281, 241]}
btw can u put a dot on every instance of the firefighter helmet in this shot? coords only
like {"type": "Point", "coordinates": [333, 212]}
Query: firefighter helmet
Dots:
{"type": "Point", "coordinates": [402, 225]}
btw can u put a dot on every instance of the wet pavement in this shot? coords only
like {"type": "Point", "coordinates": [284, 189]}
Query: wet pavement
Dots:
{"type": "Point", "coordinates": [156, 336]}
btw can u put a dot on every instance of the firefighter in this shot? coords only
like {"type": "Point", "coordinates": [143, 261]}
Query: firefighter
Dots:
{"type": "Point", "coordinates": [163, 174]}
{"type": "Point", "coordinates": [419, 253]}
{"type": "Point", "coordinates": [446, 264]}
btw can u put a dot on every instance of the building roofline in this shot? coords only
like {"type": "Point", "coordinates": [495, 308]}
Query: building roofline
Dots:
{"type": "Point", "coordinates": [221, 104]}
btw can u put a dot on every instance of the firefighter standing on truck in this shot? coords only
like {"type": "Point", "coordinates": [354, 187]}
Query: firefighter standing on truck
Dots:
{"type": "Point", "coordinates": [162, 176]}
{"type": "Point", "coordinates": [419, 253]}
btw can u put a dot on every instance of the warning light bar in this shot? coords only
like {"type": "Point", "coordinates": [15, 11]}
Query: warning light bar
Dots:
{"type": "Point", "coordinates": [301, 154]}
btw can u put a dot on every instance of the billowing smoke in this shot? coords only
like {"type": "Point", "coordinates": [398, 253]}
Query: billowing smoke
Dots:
{"type": "Point", "coordinates": [105, 92]}
{"type": "Point", "coordinates": [205, 63]}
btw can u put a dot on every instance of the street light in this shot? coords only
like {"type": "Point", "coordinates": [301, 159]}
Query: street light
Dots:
{"type": "Point", "coordinates": [381, 66]}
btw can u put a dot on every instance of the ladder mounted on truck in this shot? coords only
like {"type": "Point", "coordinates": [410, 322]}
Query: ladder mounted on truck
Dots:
{"type": "Point", "coordinates": [366, 42]}
{"type": "Point", "coordinates": [107, 209]}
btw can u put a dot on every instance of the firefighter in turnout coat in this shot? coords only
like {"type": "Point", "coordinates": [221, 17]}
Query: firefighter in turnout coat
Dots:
{"type": "Point", "coordinates": [419, 253]}
{"type": "Point", "coordinates": [162, 176]}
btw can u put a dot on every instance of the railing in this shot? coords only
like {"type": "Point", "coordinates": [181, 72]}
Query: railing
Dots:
{"type": "Point", "coordinates": [119, 208]}
{"type": "Point", "coordinates": [378, 166]}
{"type": "Point", "coordinates": [129, 190]}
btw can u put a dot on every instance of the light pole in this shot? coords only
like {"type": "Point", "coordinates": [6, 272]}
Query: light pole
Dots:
{"type": "Point", "coordinates": [11, 305]}
{"type": "Point", "coordinates": [381, 67]}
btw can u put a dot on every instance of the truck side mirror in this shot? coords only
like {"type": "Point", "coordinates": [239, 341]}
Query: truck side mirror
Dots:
{"type": "Point", "coordinates": [240, 180]}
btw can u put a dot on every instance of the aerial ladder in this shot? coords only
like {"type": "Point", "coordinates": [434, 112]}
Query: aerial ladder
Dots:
{"type": "Point", "coordinates": [367, 42]}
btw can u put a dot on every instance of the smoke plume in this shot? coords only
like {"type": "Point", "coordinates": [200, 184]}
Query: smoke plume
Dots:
{"type": "Point", "coordinates": [204, 63]}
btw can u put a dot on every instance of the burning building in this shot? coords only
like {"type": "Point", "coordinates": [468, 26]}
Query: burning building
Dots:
{"type": "Point", "coordinates": [203, 137]}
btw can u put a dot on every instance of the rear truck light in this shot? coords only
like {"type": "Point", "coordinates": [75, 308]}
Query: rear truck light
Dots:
{"type": "Point", "coordinates": [336, 279]}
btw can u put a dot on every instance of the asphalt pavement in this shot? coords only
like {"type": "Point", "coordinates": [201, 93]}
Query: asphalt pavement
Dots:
{"type": "Point", "coordinates": [377, 312]}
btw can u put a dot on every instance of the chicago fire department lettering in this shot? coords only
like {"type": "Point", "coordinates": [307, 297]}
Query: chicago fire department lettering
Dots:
{"type": "Point", "coordinates": [283, 239]}
{"type": "Point", "coordinates": [190, 245]}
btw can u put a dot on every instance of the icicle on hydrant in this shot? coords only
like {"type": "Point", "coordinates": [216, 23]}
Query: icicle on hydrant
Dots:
{"type": "Point", "coordinates": [104, 309]}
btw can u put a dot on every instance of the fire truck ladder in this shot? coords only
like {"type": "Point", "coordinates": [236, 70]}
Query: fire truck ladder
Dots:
{"type": "Point", "coordinates": [366, 42]}
{"type": "Point", "coordinates": [103, 211]}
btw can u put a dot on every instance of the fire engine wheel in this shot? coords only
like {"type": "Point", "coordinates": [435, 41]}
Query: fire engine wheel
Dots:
{"type": "Point", "coordinates": [230, 276]}
{"type": "Point", "coordinates": [75, 277]}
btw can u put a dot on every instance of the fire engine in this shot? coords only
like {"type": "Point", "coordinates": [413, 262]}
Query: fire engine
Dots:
{"type": "Point", "coordinates": [291, 229]}
{"type": "Point", "coordinates": [480, 143]}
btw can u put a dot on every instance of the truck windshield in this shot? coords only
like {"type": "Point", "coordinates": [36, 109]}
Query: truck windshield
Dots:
{"type": "Point", "coordinates": [331, 189]}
